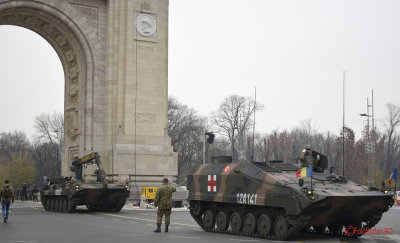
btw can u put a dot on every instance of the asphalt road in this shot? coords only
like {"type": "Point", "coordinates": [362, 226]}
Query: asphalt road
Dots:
{"type": "Point", "coordinates": [29, 222]}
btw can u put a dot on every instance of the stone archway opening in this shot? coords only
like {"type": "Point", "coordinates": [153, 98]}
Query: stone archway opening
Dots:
{"type": "Point", "coordinates": [70, 45]}
{"type": "Point", "coordinates": [32, 79]}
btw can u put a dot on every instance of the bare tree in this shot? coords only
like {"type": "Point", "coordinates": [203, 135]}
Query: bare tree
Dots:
{"type": "Point", "coordinates": [13, 144]}
{"type": "Point", "coordinates": [235, 113]}
{"type": "Point", "coordinates": [185, 128]}
{"type": "Point", "coordinates": [47, 147]}
{"type": "Point", "coordinates": [50, 127]}
{"type": "Point", "coordinates": [392, 138]}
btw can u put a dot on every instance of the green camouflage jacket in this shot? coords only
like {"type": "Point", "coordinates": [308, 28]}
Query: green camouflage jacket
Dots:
{"type": "Point", "coordinates": [307, 160]}
{"type": "Point", "coordinates": [164, 197]}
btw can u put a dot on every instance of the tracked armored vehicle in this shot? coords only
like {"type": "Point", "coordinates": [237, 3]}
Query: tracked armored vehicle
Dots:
{"type": "Point", "coordinates": [267, 200]}
{"type": "Point", "coordinates": [64, 194]}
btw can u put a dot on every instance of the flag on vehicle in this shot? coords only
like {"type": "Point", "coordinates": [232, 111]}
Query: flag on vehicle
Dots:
{"type": "Point", "coordinates": [305, 172]}
{"type": "Point", "coordinates": [392, 176]}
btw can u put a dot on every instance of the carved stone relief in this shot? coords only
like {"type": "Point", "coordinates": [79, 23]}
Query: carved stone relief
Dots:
{"type": "Point", "coordinates": [91, 14]}
{"type": "Point", "coordinates": [145, 6]}
{"type": "Point", "coordinates": [71, 122]}
{"type": "Point", "coordinates": [146, 25]}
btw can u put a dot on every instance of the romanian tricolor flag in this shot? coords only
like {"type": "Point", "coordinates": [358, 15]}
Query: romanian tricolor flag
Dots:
{"type": "Point", "coordinates": [305, 172]}
{"type": "Point", "coordinates": [392, 176]}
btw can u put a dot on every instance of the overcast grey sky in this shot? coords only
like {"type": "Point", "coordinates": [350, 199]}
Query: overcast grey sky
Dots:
{"type": "Point", "coordinates": [294, 52]}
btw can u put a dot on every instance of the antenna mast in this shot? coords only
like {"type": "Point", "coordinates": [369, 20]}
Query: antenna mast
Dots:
{"type": "Point", "coordinates": [254, 122]}
{"type": "Point", "coordinates": [344, 80]}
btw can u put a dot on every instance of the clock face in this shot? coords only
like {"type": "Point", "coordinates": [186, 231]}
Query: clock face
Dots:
{"type": "Point", "coordinates": [146, 25]}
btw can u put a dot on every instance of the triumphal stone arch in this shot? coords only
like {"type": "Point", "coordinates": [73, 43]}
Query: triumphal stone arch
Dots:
{"type": "Point", "coordinates": [115, 59]}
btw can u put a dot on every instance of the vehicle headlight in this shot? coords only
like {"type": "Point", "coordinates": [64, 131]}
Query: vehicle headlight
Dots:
{"type": "Point", "coordinates": [386, 191]}
{"type": "Point", "coordinates": [127, 187]}
{"type": "Point", "coordinates": [309, 192]}
{"type": "Point", "coordinates": [312, 197]}
{"type": "Point", "coordinates": [77, 188]}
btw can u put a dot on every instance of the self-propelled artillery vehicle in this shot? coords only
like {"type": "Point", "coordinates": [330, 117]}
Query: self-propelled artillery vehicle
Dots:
{"type": "Point", "coordinates": [267, 200]}
{"type": "Point", "coordinates": [64, 194]}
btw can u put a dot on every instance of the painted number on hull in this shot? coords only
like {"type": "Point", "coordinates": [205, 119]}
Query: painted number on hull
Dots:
{"type": "Point", "coordinates": [58, 192]}
{"type": "Point", "coordinates": [244, 198]}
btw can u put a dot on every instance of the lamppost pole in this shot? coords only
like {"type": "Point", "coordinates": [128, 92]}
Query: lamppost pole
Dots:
{"type": "Point", "coordinates": [373, 141]}
{"type": "Point", "coordinates": [369, 162]}
{"type": "Point", "coordinates": [204, 144]}
{"type": "Point", "coordinates": [368, 144]}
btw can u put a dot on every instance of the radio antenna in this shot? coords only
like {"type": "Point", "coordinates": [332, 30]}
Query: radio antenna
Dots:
{"type": "Point", "coordinates": [254, 122]}
{"type": "Point", "coordinates": [343, 126]}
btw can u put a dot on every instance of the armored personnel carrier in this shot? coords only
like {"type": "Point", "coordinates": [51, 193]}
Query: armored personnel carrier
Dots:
{"type": "Point", "coordinates": [64, 194]}
{"type": "Point", "coordinates": [267, 200]}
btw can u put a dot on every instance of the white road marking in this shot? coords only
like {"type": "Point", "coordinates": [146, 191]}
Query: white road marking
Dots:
{"type": "Point", "coordinates": [185, 237]}
{"type": "Point", "coordinates": [244, 240]}
{"type": "Point", "coordinates": [21, 241]}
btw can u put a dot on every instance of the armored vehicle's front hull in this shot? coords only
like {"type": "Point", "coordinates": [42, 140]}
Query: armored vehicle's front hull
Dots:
{"type": "Point", "coordinates": [348, 210]}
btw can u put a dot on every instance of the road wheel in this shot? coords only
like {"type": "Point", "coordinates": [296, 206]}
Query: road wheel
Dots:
{"type": "Point", "coordinates": [249, 223]}
{"type": "Point", "coordinates": [45, 202]}
{"type": "Point", "coordinates": [70, 206]}
{"type": "Point", "coordinates": [64, 205]}
{"type": "Point", "coordinates": [236, 222]}
{"type": "Point", "coordinates": [112, 207]}
{"type": "Point", "coordinates": [51, 204]}
{"type": "Point", "coordinates": [281, 227]}
{"type": "Point", "coordinates": [264, 225]}
{"type": "Point", "coordinates": [335, 229]}
{"type": "Point", "coordinates": [118, 207]}
{"type": "Point", "coordinates": [58, 204]}
{"type": "Point", "coordinates": [61, 205]}
{"type": "Point", "coordinates": [195, 207]}
{"type": "Point", "coordinates": [319, 229]}
{"type": "Point", "coordinates": [222, 221]}
{"type": "Point", "coordinates": [208, 219]}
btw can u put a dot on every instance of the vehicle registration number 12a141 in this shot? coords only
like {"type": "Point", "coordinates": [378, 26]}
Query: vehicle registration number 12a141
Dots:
{"type": "Point", "coordinates": [246, 198]}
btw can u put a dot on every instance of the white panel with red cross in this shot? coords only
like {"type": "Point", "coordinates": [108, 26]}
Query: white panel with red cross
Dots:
{"type": "Point", "coordinates": [212, 183]}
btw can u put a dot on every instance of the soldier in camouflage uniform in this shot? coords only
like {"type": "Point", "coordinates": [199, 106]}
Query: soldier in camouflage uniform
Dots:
{"type": "Point", "coordinates": [307, 158]}
{"type": "Point", "coordinates": [164, 202]}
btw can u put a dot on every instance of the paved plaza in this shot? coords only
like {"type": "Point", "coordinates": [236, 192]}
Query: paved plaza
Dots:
{"type": "Point", "coordinates": [29, 222]}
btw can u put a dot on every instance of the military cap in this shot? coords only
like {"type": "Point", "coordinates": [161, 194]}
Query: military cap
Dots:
{"type": "Point", "coordinates": [165, 179]}
{"type": "Point", "coordinates": [307, 147]}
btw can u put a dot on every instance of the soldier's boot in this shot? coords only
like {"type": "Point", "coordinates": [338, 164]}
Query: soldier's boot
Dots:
{"type": "Point", "coordinates": [5, 220]}
{"type": "Point", "coordinates": [166, 228]}
{"type": "Point", "coordinates": [158, 228]}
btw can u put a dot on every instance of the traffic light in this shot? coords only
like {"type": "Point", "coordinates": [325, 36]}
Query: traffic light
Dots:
{"type": "Point", "coordinates": [210, 138]}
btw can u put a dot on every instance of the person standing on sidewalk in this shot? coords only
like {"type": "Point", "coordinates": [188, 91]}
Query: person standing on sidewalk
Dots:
{"type": "Point", "coordinates": [7, 197]}
{"type": "Point", "coordinates": [24, 192]}
{"type": "Point", "coordinates": [164, 202]}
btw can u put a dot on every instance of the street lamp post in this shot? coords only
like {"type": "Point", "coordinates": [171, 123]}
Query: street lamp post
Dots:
{"type": "Point", "coordinates": [369, 148]}
{"type": "Point", "coordinates": [210, 140]}
{"type": "Point", "coordinates": [367, 142]}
